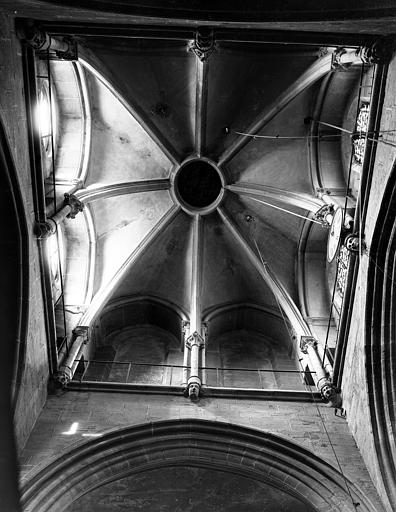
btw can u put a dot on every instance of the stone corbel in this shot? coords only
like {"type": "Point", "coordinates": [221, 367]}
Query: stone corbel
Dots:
{"type": "Point", "coordinates": [325, 215]}
{"type": "Point", "coordinates": [45, 229]}
{"type": "Point", "coordinates": [75, 204]}
{"type": "Point", "coordinates": [204, 43]}
{"type": "Point", "coordinates": [355, 243]}
{"type": "Point", "coordinates": [378, 52]}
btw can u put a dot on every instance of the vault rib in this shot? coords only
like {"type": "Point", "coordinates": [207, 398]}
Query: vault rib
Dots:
{"type": "Point", "coordinates": [316, 71]}
{"type": "Point", "coordinates": [137, 113]}
{"type": "Point", "coordinates": [300, 200]}
{"type": "Point", "coordinates": [200, 106]}
{"type": "Point", "coordinates": [105, 291]}
{"type": "Point", "coordinates": [285, 301]}
{"type": "Point", "coordinates": [88, 195]}
{"type": "Point", "coordinates": [196, 275]}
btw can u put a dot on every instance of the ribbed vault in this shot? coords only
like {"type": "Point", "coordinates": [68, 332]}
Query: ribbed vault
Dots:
{"type": "Point", "coordinates": [185, 120]}
{"type": "Point", "coordinates": [192, 199]}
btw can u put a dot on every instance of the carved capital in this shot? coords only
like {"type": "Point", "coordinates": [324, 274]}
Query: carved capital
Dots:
{"type": "Point", "coordinates": [378, 52]}
{"type": "Point", "coordinates": [307, 342]}
{"type": "Point", "coordinates": [75, 204]}
{"type": "Point", "coordinates": [330, 394]}
{"type": "Point", "coordinates": [81, 330]}
{"type": "Point", "coordinates": [62, 378]}
{"type": "Point", "coordinates": [323, 51]}
{"type": "Point", "coordinates": [69, 51]}
{"type": "Point", "coordinates": [32, 34]}
{"type": "Point", "coordinates": [45, 229]}
{"type": "Point", "coordinates": [195, 339]}
{"type": "Point", "coordinates": [204, 43]}
{"type": "Point", "coordinates": [322, 214]}
{"type": "Point", "coordinates": [340, 59]}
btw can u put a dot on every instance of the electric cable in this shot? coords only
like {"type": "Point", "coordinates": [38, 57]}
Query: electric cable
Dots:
{"type": "Point", "coordinates": [309, 389]}
{"type": "Point", "coordinates": [284, 210]}
{"type": "Point", "coordinates": [354, 503]}
{"type": "Point", "coordinates": [54, 197]}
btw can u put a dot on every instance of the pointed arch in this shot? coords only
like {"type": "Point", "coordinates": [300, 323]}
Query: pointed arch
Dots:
{"type": "Point", "coordinates": [260, 456]}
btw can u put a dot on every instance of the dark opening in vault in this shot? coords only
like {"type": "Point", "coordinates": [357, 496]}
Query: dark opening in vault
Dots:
{"type": "Point", "coordinates": [198, 183]}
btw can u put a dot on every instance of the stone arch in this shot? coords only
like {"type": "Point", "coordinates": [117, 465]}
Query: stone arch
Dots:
{"type": "Point", "coordinates": [14, 283]}
{"type": "Point", "coordinates": [14, 300]}
{"type": "Point", "coordinates": [380, 338]}
{"type": "Point", "coordinates": [260, 456]}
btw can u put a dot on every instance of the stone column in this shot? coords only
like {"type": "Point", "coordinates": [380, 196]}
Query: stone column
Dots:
{"type": "Point", "coordinates": [195, 341]}
{"type": "Point", "coordinates": [71, 207]}
{"type": "Point", "coordinates": [309, 347]}
{"type": "Point", "coordinates": [66, 370]}
{"type": "Point", "coordinates": [203, 352]}
{"type": "Point", "coordinates": [196, 344]}
{"type": "Point", "coordinates": [378, 52]}
{"type": "Point", "coordinates": [33, 36]}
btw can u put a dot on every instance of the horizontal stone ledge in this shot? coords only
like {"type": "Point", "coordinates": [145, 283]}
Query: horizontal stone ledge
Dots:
{"type": "Point", "coordinates": [208, 391]}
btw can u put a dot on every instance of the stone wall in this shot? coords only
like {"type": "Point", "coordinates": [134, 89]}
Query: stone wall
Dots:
{"type": "Point", "coordinates": [76, 417]}
{"type": "Point", "coordinates": [32, 390]}
{"type": "Point", "coordinates": [354, 382]}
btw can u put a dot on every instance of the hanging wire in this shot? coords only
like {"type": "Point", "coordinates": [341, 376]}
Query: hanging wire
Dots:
{"type": "Point", "coordinates": [381, 269]}
{"type": "Point", "coordinates": [51, 129]}
{"type": "Point", "coordinates": [308, 388]}
{"type": "Point", "coordinates": [325, 136]}
{"type": "Point", "coordinates": [284, 210]}
{"type": "Point", "coordinates": [254, 136]}
{"type": "Point", "coordinates": [351, 133]}
{"type": "Point", "coordinates": [276, 298]}
{"type": "Point", "coordinates": [54, 195]}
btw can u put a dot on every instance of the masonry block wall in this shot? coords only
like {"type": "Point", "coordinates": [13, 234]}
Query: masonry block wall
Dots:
{"type": "Point", "coordinates": [76, 417]}
{"type": "Point", "coordinates": [354, 383]}
{"type": "Point", "coordinates": [33, 388]}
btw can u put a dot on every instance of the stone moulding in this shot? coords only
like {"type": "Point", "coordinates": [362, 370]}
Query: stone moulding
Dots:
{"type": "Point", "coordinates": [200, 443]}
{"type": "Point", "coordinates": [380, 340]}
